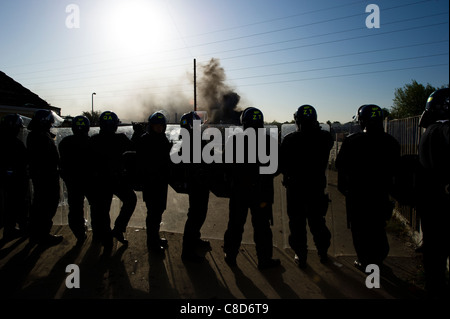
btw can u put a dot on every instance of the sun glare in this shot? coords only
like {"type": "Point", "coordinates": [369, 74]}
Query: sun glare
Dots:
{"type": "Point", "coordinates": [137, 26]}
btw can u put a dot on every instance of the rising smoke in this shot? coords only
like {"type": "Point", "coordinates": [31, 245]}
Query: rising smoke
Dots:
{"type": "Point", "coordinates": [213, 96]}
{"type": "Point", "coordinates": [173, 104]}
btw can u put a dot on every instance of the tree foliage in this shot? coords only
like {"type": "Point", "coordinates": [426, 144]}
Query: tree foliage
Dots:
{"type": "Point", "coordinates": [92, 117]}
{"type": "Point", "coordinates": [410, 100]}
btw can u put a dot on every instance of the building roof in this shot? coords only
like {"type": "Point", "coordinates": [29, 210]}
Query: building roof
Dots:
{"type": "Point", "coordinates": [15, 98]}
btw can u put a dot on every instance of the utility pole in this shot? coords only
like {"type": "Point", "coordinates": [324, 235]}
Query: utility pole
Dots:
{"type": "Point", "coordinates": [195, 85]}
{"type": "Point", "coordinates": [93, 103]}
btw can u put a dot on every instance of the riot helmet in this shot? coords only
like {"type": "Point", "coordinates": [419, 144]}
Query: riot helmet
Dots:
{"type": "Point", "coordinates": [157, 122]}
{"type": "Point", "coordinates": [306, 116]}
{"type": "Point", "coordinates": [42, 120]}
{"type": "Point", "coordinates": [252, 117]}
{"type": "Point", "coordinates": [370, 117]}
{"type": "Point", "coordinates": [436, 108]}
{"type": "Point", "coordinates": [108, 121]}
{"type": "Point", "coordinates": [11, 124]}
{"type": "Point", "coordinates": [80, 125]}
{"type": "Point", "coordinates": [187, 120]}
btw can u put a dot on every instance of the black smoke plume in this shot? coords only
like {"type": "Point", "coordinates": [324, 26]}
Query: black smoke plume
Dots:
{"type": "Point", "coordinates": [215, 96]}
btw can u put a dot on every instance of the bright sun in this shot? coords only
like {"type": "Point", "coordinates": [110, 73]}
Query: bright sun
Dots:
{"type": "Point", "coordinates": [137, 25]}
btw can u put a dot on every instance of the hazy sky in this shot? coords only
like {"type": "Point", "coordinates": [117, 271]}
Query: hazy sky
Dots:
{"type": "Point", "coordinates": [137, 55]}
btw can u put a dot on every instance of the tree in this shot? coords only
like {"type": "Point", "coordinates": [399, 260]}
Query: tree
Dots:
{"type": "Point", "coordinates": [92, 117]}
{"type": "Point", "coordinates": [410, 100]}
{"type": "Point", "coordinates": [275, 122]}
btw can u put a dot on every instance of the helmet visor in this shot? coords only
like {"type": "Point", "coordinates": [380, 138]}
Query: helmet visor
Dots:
{"type": "Point", "coordinates": [58, 120]}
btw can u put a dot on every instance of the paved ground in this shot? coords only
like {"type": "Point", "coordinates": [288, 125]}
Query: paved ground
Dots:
{"type": "Point", "coordinates": [32, 272]}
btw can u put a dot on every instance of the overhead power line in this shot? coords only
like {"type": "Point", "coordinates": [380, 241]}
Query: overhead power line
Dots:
{"type": "Point", "coordinates": [341, 66]}
{"type": "Point", "coordinates": [346, 75]}
{"type": "Point", "coordinates": [248, 54]}
{"type": "Point", "coordinates": [185, 46]}
{"type": "Point", "coordinates": [304, 79]}
{"type": "Point", "coordinates": [153, 88]}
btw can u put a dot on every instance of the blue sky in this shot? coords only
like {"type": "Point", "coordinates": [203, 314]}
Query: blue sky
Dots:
{"type": "Point", "coordinates": [137, 55]}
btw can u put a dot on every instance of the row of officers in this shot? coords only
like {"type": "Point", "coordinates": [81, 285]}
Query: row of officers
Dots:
{"type": "Point", "coordinates": [100, 166]}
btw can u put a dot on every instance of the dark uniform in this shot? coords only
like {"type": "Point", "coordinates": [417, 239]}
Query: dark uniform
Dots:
{"type": "Point", "coordinates": [366, 164]}
{"type": "Point", "coordinates": [250, 190]}
{"type": "Point", "coordinates": [107, 148]}
{"type": "Point", "coordinates": [303, 160]}
{"type": "Point", "coordinates": [44, 165]}
{"type": "Point", "coordinates": [14, 180]}
{"type": "Point", "coordinates": [153, 159]}
{"type": "Point", "coordinates": [434, 204]}
{"type": "Point", "coordinates": [197, 178]}
{"type": "Point", "coordinates": [74, 171]}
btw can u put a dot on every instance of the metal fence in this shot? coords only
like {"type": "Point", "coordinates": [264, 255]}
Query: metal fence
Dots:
{"type": "Point", "coordinates": [408, 133]}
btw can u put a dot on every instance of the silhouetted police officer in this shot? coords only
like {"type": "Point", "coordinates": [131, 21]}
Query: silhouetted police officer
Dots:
{"type": "Point", "coordinates": [250, 190]}
{"type": "Point", "coordinates": [434, 204]}
{"type": "Point", "coordinates": [44, 166]}
{"type": "Point", "coordinates": [304, 158]}
{"type": "Point", "coordinates": [366, 165]}
{"type": "Point", "coordinates": [14, 180]}
{"type": "Point", "coordinates": [107, 148]}
{"type": "Point", "coordinates": [197, 178]}
{"type": "Point", "coordinates": [73, 150]}
{"type": "Point", "coordinates": [153, 159]}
